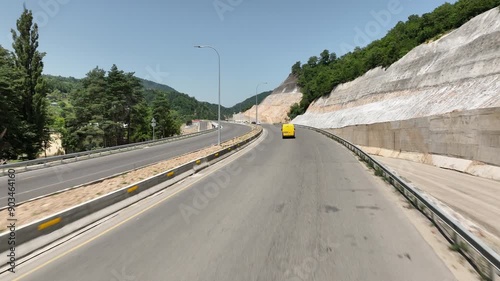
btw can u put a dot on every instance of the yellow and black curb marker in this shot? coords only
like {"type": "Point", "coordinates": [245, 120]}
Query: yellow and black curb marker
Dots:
{"type": "Point", "coordinates": [49, 223]}
{"type": "Point", "coordinates": [132, 189]}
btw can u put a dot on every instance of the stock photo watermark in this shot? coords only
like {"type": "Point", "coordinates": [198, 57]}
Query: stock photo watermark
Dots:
{"type": "Point", "coordinates": [381, 20]}
{"type": "Point", "coordinates": [12, 220]}
{"type": "Point", "coordinates": [48, 10]}
{"type": "Point", "coordinates": [156, 74]}
{"type": "Point", "coordinates": [121, 275]}
{"type": "Point", "coordinates": [223, 6]}
{"type": "Point", "coordinates": [305, 269]}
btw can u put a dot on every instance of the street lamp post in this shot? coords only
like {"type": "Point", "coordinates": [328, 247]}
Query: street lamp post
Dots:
{"type": "Point", "coordinates": [256, 103]}
{"type": "Point", "coordinates": [218, 115]}
{"type": "Point", "coordinates": [153, 124]}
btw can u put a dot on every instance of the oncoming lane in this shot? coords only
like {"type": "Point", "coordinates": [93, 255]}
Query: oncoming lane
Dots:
{"type": "Point", "coordinates": [36, 183]}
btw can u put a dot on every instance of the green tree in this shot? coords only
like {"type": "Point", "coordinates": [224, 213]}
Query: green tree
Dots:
{"type": "Point", "coordinates": [324, 57]}
{"type": "Point", "coordinates": [122, 94]}
{"type": "Point", "coordinates": [28, 61]}
{"type": "Point", "coordinates": [109, 110]}
{"type": "Point", "coordinates": [140, 122]}
{"type": "Point", "coordinates": [12, 128]}
{"type": "Point", "coordinates": [296, 68]}
{"type": "Point", "coordinates": [88, 112]}
{"type": "Point", "coordinates": [167, 126]}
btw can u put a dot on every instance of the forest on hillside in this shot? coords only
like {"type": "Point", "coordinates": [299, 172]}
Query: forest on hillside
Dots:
{"type": "Point", "coordinates": [321, 74]}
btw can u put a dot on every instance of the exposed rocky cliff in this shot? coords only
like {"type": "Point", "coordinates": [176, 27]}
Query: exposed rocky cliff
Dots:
{"type": "Point", "coordinates": [460, 71]}
{"type": "Point", "coordinates": [275, 107]}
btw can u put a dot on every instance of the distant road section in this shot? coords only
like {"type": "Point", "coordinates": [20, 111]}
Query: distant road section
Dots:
{"type": "Point", "coordinates": [44, 181]}
{"type": "Point", "coordinates": [205, 125]}
{"type": "Point", "coordinates": [294, 209]}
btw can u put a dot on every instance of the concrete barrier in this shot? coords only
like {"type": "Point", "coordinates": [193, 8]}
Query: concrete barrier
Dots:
{"type": "Point", "coordinates": [472, 135]}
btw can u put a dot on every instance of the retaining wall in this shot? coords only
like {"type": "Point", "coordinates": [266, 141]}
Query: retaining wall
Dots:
{"type": "Point", "coordinates": [472, 135]}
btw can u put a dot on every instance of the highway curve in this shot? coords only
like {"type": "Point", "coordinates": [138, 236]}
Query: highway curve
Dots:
{"type": "Point", "coordinates": [294, 209]}
{"type": "Point", "coordinates": [35, 183]}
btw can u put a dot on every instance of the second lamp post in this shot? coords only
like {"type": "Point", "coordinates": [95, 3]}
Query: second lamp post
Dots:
{"type": "Point", "coordinates": [218, 117]}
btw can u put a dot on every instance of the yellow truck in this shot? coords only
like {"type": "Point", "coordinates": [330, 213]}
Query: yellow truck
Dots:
{"type": "Point", "coordinates": [288, 131]}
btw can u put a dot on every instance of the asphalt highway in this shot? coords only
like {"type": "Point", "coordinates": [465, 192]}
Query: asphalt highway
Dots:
{"type": "Point", "coordinates": [293, 209]}
{"type": "Point", "coordinates": [35, 183]}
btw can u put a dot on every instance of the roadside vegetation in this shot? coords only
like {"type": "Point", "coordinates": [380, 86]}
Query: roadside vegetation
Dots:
{"type": "Point", "coordinates": [320, 75]}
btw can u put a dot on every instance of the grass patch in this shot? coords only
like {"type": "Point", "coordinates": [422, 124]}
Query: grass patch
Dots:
{"type": "Point", "coordinates": [454, 247]}
{"type": "Point", "coordinates": [457, 247]}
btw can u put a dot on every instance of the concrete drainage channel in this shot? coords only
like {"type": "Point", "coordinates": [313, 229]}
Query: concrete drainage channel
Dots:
{"type": "Point", "coordinates": [483, 258]}
{"type": "Point", "coordinates": [54, 222]}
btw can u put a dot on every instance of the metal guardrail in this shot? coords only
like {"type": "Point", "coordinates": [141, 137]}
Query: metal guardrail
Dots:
{"type": "Point", "coordinates": [45, 161]}
{"type": "Point", "coordinates": [482, 257]}
{"type": "Point", "coordinates": [56, 221]}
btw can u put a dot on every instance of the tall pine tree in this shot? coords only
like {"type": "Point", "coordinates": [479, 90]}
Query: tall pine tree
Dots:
{"type": "Point", "coordinates": [161, 112]}
{"type": "Point", "coordinates": [33, 91]}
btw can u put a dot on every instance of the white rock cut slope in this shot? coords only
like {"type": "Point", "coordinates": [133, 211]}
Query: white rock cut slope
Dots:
{"type": "Point", "coordinates": [275, 107]}
{"type": "Point", "coordinates": [460, 71]}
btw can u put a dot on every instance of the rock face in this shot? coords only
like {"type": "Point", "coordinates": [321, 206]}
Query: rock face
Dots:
{"type": "Point", "coordinates": [275, 107]}
{"type": "Point", "coordinates": [458, 72]}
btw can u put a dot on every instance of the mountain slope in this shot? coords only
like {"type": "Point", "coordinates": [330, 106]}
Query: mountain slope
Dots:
{"type": "Point", "coordinates": [460, 71]}
{"type": "Point", "coordinates": [188, 107]}
{"type": "Point", "coordinates": [275, 107]}
{"type": "Point", "coordinates": [249, 102]}
{"type": "Point", "coordinates": [319, 75]}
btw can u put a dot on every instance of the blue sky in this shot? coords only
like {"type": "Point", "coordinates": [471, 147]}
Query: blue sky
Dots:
{"type": "Point", "coordinates": [258, 40]}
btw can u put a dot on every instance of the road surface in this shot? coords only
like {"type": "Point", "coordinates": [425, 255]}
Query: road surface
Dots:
{"type": "Point", "coordinates": [293, 209]}
{"type": "Point", "coordinates": [35, 183]}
